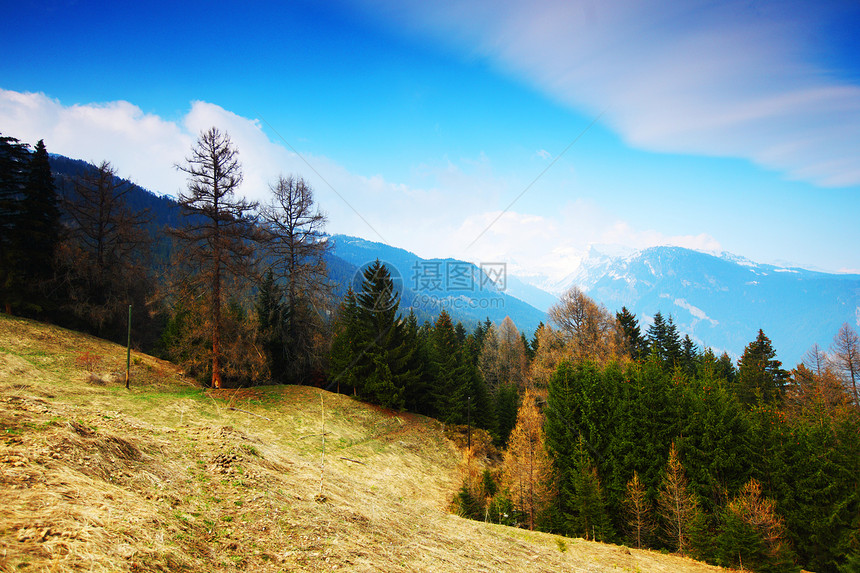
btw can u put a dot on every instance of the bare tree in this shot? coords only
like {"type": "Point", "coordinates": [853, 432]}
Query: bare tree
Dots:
{"type": "Point", "coordinates": [549, 354]}
{"type": "Point", "coordinates": [105, 248]}
{"type": "Point", "coordinates": [815, 359]}
{"type": "Point", "coordinates": [296, 247]}
{"type": "Point", "coordinates": [591, 332]}
{"type": "Point", "coordinates": [845, 356]}
{"type": "Point", "coordinates": [219, 227]}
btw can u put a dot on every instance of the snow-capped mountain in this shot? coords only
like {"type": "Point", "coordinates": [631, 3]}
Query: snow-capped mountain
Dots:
{"type": "Point", "coordinates": [722, 300]}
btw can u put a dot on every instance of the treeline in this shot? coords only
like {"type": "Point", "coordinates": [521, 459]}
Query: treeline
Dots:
{"type": "Point", "coordinates": [71, 251]}
{"type": "Point", "coordinates": [438, 370]}
{"type": "Point", "coordinates": [646, 439]}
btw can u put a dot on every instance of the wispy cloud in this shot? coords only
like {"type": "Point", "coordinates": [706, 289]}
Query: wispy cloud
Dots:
{"type": "Point", "coordinates": [737, 79]}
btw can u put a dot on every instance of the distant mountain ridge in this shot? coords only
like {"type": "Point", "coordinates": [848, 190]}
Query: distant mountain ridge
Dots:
{"type": "Point", "coordinates": [722, 301]}
{"type": "Point", "coordinates": [469, 293]}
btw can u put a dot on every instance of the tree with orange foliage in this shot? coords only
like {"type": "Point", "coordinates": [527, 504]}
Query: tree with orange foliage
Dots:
{"type": "Point", "coordinates": [527, 469]}
{"type": "Point", "coordinates": [753, 534]}
{"type": "Point", "coordinates": [638, 510]}
{"type": "Point", "coordinates": [677, 505]}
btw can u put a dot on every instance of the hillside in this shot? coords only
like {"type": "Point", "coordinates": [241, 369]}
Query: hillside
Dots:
{"type": "Point", "coordinates": [167, 476]}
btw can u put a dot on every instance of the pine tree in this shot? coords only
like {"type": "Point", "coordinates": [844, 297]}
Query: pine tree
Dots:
{"type": "Point", "coordinates": [586, 514]}
{"type": "Point", "coordinates": [507, 404]}
{"type": "Point", "coordinates": [14, 162]}
{"type": "Point", "coordinates": [373, 350]}
{"type": "Point", "coordinates": [450, 394]}
{"type": "Point", "coordinates": [220, 228]}
{"type": "Point", "coordinates": [348, 340]}
{"type": "Point", "coordinates": [726, 369]}
{"type": "Point", "coordinates": [271, 326]}
{"type": "Point", "coordinates": [382, 351]}
{"type": "Point", "coordinates": [635, 345]}
{"type": "Point", "coordinates": [689, 356]}
{"type": "Point", "coordinates": [760, 379]}
{"type": "Point", "coordinates": [664, 341]}
{"type": "Point", "coordinates": [418, 389]}
{"type": "Point", "coordinates": [716, 442]}
{"type": "Point", "coordinates": [36, 233]}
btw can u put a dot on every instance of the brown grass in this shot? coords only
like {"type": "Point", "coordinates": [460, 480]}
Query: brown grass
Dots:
{"type": "Point", "coordinates": [164, 477]}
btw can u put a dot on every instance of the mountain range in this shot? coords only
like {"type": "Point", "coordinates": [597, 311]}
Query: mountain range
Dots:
{"type": "Point", "coordinates": [721, 301]}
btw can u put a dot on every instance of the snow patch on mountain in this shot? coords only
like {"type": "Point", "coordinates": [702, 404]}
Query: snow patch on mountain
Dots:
{"type": "Point", "coordinates": [721, 299]}
{"type": "Point", "coordinates": [695, 311]}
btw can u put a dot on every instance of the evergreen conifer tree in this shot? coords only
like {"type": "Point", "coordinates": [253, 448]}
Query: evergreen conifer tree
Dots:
{"type": "Point", "coordinates": [345, 366]}
{"type": "Point", "coordinates": [586, 514]}
{"type": "Point", "coordinates": [271, 326]}
{"type": "Point", "coordinates": [35, 234]}
{"type": "Point", "coordinates": [14, 160]}
{"type": "Point", "coordinates": [450, 395]}
{"type": "Point", "coordinates": [635, 345]}
{"type": "Point", "coordinates": [760, 379]}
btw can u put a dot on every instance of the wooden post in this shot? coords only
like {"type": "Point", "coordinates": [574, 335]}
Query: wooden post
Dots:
{"type": "Point", "coordinates": [469, 421]}
{"type": "Point", "coordinates": [128, 352]}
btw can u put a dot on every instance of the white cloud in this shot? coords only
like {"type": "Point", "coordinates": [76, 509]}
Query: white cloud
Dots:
{"type": "Point", "coordinates": [448, 219]}
{"type": "Point", "coordinates": [552, 247]}
{"type": "Point", "coordinates": [730, 78]}
{"type": "Point", "coordinates": [142, 147]}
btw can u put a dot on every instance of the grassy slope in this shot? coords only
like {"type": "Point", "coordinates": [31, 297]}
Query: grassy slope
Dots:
{"type": "Point", "coordinates": [166, 477]}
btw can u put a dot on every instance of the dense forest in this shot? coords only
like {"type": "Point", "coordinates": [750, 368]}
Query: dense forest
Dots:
{"type": "Point", "coordinates": [587, 427]}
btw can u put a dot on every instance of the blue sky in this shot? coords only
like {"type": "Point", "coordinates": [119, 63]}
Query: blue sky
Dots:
{"type": "Point", "coordinates": [720, 126]}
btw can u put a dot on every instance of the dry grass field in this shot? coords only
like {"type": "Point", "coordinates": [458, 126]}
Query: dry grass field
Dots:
{"type": "Point", "coordinates": [168, 476]}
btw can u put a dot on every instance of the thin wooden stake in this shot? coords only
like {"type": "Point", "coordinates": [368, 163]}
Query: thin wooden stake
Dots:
{"type": "Point", "coordinates": [322, 418]}
{"type": "Point", "coordinates": [128, 352]}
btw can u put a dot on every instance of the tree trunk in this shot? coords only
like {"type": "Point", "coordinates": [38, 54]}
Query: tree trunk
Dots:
{"type": "Point", "coordinates": [216, 326]}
